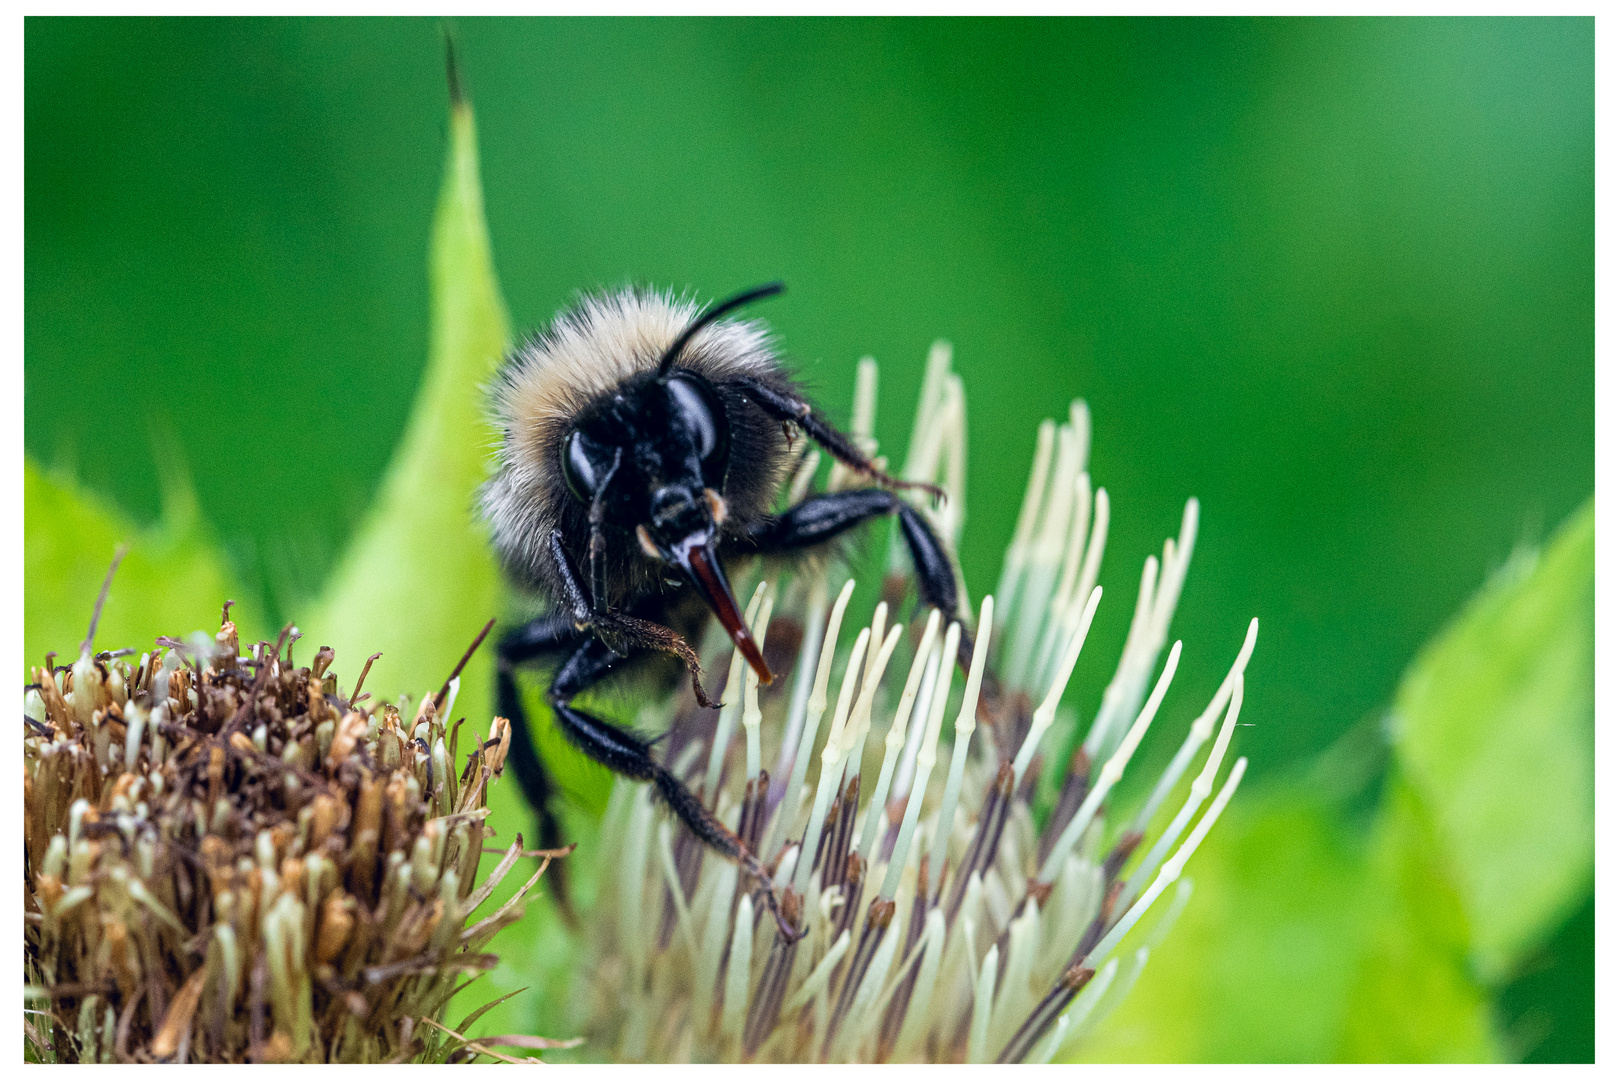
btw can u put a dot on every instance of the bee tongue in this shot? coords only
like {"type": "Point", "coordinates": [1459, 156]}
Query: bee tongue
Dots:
{"type": "Point", "coordinates": [705, 573]}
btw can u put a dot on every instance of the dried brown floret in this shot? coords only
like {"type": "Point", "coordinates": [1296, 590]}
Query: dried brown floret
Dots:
{"type": "Point", "coordinates": [228, 861]}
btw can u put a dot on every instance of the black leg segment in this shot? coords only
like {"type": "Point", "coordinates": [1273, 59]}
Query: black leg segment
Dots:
{"type": "Point", "coordinates": [935, 577]}
{"type": "Point", "coordinates": [544, 636]}
{"type": "Point", "coordinates": [574, 590]}
{"type": "Point", "coordinates": [820, 518]}
{"type": "Point", "coordinates": [790, 408]}
{"type": "Point", "coordinates": [795, 410]}
{"type": "Point", "coordinates": [548, 635]}
{"type": "Point", "coordinates": [824, 517]}
{"type": "Point", "coordinates": [629, 753]}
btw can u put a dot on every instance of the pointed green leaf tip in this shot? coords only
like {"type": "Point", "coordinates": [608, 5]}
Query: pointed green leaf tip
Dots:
{"type": "Point", "coordinates": [1493, 726]}
{"type": "Point", "coordinates": [419, 581]}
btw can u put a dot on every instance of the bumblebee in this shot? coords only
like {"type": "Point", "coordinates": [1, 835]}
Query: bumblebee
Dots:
{"type": "Point", "coordinates": [643, 445]}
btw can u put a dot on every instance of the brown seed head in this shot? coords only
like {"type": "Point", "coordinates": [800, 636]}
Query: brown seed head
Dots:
{"type": "Point", "coordinates": [163, 908]}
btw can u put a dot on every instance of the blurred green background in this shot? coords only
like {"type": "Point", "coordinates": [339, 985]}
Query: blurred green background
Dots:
{"type": "Point", "coordinates": [1332, 277]}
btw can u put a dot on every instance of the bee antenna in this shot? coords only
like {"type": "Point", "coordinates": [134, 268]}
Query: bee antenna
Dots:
{"type": "Point", "coordinates": [725, 307]}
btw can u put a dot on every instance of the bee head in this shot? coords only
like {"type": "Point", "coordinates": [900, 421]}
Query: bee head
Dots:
{"type": "Point", "coordinates": [652, 459]}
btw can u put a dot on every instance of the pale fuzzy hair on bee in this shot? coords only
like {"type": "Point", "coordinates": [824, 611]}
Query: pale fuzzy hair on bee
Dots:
{"type": "Point", "coordinates": [550, 378]}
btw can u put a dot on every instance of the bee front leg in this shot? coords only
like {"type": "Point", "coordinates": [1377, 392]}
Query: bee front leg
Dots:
{"type": "Point", "coordinates": [629, 753]}
{"type": "Point", "coordinates": [786, 406]}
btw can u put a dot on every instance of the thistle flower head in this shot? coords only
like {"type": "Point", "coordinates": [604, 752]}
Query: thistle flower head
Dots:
{"type": "Point", "coordinates": [959, 898]}
{"type": "Point", "coordinates": [227, 859]}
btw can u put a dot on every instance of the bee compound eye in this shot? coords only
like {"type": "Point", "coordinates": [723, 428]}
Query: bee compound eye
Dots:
{"type": "Point", "coordinates": [584, 466]}
{"type": "Point", "coordinates": [700, 410]}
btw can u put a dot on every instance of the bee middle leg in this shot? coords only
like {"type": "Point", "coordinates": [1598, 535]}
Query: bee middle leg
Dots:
{"type": "Point", "coordinates": [823, 517]}
{"type": "Point", "coordinates": [629, 753]}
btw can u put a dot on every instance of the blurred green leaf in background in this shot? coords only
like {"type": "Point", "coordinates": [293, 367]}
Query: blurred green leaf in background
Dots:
{"type": "Point", "coordinates": [1334, 277]}
{"type": "Point", "coordinates": [174, 575]}
{"type": "Point", "coordinates": [1480, 847]}
{"type": "Point", "coordinates": [1492, 728]}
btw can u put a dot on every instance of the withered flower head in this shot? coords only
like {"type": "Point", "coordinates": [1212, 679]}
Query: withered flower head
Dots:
{"type": "Point", "coordinates": [228, 860]}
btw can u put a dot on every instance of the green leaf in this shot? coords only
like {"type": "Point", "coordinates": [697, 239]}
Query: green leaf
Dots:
{"type": "Point", "coordinates": [1304, 944]}
{"type": "Point", "coordinates": [1414, 997]}
{"type": "Point", "coordinates": [1299, 946]}
{"type": "Point", "coordinates": [172, 581]}
{"type": "Point", "coordinates": [1259, 966]}
{"type": "Point", "coordinates": [418, 581]}
{"type": "Point", "coordinates": [1493, 729]}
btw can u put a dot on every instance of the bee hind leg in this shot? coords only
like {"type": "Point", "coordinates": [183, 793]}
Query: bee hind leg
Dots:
{"type": "Point", "coordinates": [544, 636]}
